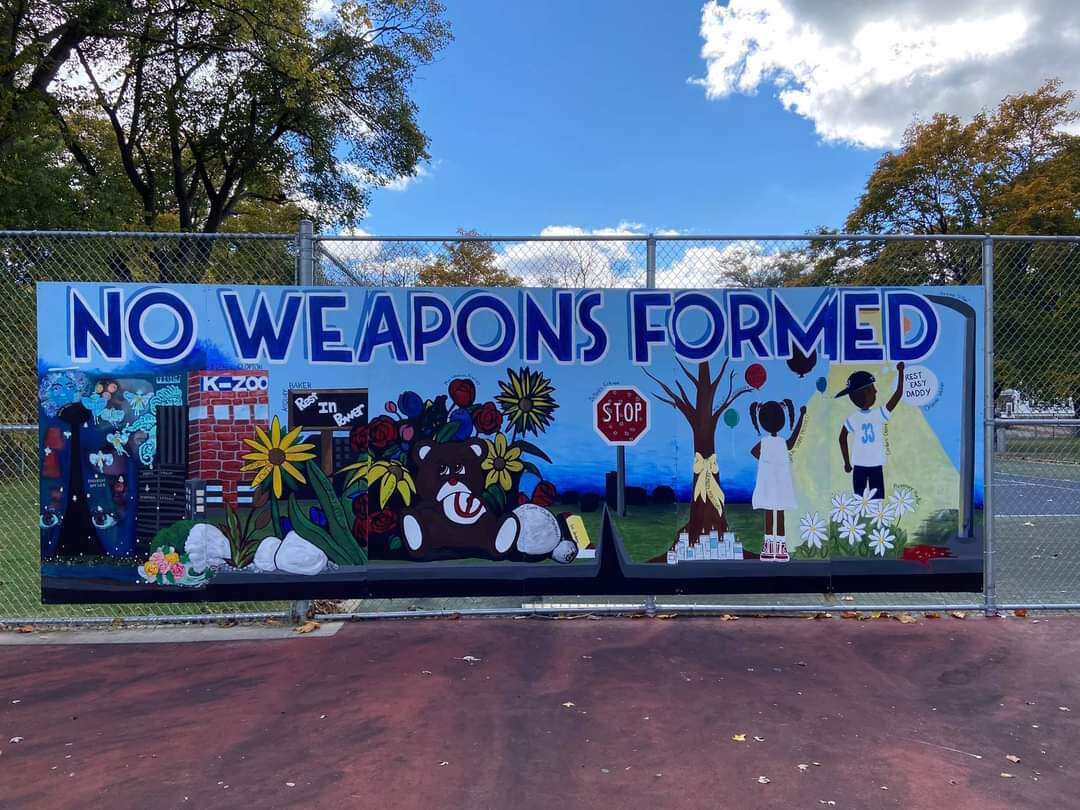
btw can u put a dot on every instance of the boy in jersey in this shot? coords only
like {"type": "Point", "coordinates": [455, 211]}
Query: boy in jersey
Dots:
{"type": "Point", "coordinates": [866, 426]}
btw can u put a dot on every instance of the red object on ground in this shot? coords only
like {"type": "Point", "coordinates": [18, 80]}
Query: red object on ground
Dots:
{"type": "Point", "coordinates": [368, 717]}
{"type": "Point", "coordinates": [621, 415]}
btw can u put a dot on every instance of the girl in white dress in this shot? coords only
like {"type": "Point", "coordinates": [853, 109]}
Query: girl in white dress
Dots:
{"type": "Point", "coordinates": [774, 491]}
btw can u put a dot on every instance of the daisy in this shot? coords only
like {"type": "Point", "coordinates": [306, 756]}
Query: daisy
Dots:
{"type": "Point", "coordinates": [880, 540]}
{"type": "Point", "coordinates": [880, 513]}
{"type": "Point", "coordinates": [812, 529]}
{"type": "Point", "coordinates": [902, 501]}
{"type": "Point", "coordinates": [863, 501]}
{"type": "Point", "coordinates": [852, 531]}
{"type": "Point", "coordinates": [843, 507]}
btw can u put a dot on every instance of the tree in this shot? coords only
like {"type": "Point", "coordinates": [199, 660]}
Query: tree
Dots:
{"type": "Point", "coordinates": [1014, 170]}
{"type": "Point", "coordinates": [470, 262]}
{"type": "Point", "coordinates": [703, 415]}
{"type": "Point", "coordinates": [214, 107]}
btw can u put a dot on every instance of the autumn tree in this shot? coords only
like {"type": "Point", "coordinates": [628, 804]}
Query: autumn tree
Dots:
{"type": "Point", "coordinates": [702, 413]}
{"type": "Point", "coordinates": [1012, 170]}
{"type": "Point", "coordinates": [467, 262]}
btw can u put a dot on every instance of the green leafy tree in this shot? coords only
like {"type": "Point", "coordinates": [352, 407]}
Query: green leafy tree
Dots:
{"type": "Point", "coordinates": [468, 263]}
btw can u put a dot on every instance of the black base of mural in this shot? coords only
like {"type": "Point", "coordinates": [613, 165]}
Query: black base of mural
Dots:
{"type": "Point", "coordinates": [611, 574]}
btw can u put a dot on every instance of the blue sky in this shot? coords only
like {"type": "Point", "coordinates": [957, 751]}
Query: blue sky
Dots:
{"type": "Point", "coordinates": [583, 116]}
{"type": "Point", "coordinates": [580, 114]}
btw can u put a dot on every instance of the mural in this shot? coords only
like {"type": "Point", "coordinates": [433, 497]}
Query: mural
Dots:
{"type": "Point", "coordinates": [203, 442]}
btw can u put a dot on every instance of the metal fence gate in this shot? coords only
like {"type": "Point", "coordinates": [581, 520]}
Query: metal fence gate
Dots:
{"type": "Point", "coordinates": [1032, 430]}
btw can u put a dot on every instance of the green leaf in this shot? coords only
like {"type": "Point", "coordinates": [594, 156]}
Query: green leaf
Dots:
{"type": "Point", "coordinates": [395, 543]}
{"type": "Point", "coordinates": [337, 520]}
{"type": "Point", "coordinates": [495, 498]}
{"type": "Point", "coordinates": [447, 431]}
{"type": "Point", "coordinates": [531, 449]}
{"type": "Point", "coordinates": [532, 468]}
{"type": "Point", "coordinates": [316, 534]}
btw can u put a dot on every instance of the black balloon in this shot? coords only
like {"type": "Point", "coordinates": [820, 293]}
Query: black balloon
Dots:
{"type": "Point", "coordinates": [802, 364]}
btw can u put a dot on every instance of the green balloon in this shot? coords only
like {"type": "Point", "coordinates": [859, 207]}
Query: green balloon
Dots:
{"type": "Point", "coordinates": [731, 417]}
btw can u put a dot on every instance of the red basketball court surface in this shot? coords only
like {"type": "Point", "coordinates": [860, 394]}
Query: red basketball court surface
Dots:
{"type": "Point", "coordinates": [533, 713]}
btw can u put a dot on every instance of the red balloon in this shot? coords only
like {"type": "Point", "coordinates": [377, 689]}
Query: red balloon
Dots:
{"type": "Point", "coordinates": [755, 375]}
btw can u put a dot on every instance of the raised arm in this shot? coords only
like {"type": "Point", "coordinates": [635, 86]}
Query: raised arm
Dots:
{"type": "Point", "coordinates": [755, 451]}
{"type": "Point", "coordinates": [843, 448]}
{"type": "Point", "coordinates": [794, 437]}
{"type": "Point", "coordinates": [894, 400]}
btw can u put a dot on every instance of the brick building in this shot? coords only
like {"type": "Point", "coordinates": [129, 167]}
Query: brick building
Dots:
{"type": "Point", "coordinates": [223, 408]}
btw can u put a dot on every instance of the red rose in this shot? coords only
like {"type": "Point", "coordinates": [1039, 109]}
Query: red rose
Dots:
{"type": "Point", "coordinates": [383, 522]}
{"type": "Point", "coordinates": [544, 494]}
{"type": "Point", "coordinates": [487, 418]}
{"type": "Point", "coordinates": [463, 392]}
{"type": "Point", "coordinates": [358, 439]}
{"type": "Point", "coordinates": [382, 432]}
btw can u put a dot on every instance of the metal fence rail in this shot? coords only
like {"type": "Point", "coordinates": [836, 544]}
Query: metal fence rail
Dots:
{"type": "Point", "coordinates": [1033, 358]}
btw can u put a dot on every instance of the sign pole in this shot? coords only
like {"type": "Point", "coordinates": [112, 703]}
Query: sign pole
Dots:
{"type": "Point", "coordinates": [620, 479]}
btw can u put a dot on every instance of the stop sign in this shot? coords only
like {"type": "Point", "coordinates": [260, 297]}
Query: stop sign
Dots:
{"type": "Point", "coordinates": [621, 415]}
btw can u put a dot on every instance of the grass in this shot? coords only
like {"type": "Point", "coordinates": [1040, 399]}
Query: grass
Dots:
{"type": "Point", "coordinates": [649, 530]}
{"type": "Point", "coordinates": [1053, 449]}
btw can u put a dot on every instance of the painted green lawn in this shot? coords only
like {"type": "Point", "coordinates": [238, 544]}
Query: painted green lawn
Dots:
{"type": "Point", "coordinates": [647, 531]}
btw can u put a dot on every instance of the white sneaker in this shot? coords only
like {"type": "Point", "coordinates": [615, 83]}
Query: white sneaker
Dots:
{"type": "Point", "coordinates": [780, 551]}
{"type": "Point", "coordinates": [768, 548]}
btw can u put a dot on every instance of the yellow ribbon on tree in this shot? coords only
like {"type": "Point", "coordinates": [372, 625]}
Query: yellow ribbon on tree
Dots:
{"type": "Point", "coordinates": [706, 487]}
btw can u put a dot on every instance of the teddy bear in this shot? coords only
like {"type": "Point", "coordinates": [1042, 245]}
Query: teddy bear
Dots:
{"type": "Point", "coordinates": [450, 519]}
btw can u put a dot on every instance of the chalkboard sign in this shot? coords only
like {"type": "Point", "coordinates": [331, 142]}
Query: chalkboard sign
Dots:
{"type": "Point", "coordinates": [328, 409]}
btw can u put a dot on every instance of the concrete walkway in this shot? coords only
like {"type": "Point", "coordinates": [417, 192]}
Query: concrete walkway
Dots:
{"type": "Point", "coordinates": [529, 713]}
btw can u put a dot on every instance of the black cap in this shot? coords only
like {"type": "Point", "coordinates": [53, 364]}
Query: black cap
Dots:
{"type": "Point", "coordinates": [860, 379]}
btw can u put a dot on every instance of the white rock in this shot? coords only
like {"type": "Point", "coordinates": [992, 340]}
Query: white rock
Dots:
{"type": "Point", "coordinates": [539, 532]}
{"type": "Point", "coordinates": [206, 546]}
{"type": "Point", "coordinates": [264, 554]}
{"type": "Point", "coordinates": [297, 556]}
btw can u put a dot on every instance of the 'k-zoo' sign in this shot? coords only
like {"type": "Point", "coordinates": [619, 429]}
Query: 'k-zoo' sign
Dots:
{"type": "Point", "coordinates": [203, 442]}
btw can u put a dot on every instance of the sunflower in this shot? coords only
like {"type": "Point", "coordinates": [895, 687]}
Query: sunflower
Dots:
{"type": "Point", "coordinates": [527, 400]}
{"type": "Point", "coordinates": [389, 475]}
{"type": "Point", "coordinates": [500, 462]}
{"type": "Point", "coordinates": [275, 453]}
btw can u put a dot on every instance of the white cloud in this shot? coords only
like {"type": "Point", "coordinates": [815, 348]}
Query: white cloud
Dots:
{"type": "Point", "coordinates": [862, 71]}
{"type": "Point", "coordinates": [321, 10]}
{"type": "Point", "coordinates": [403, 182]}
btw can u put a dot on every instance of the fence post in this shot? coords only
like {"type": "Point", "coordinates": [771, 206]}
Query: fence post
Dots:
{"type": "Point", "coordinates": [988, 425]}
{"type": "Point", "coordinates": [305, 264]}
{"type": "Point", "coordinates": [650, 261]}
{"type": "Point", "coordinates": [300, 610]}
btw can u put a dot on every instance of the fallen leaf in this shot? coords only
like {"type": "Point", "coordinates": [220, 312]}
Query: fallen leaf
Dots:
{"type": "Point", "coordinates": [469, 659]}
{"type": "Point", "coordinates": [604, 770]}
{"type": "Point", "coordinates": [905, 618]}
{"type": "Point", "coordinates": [444, 762]}
{"type": "Point", "coordinates": [932, 615]}
{"type": "Point", "coordinates": [568, 705]}
{"type": "Point", "coordinates": [1064, 709]}
{"type": "Point", "coordinates": [16, 701]}
{"type": "Point", "coordinates": [884, 787]}
{"type": "Point", "coordinates": [820, 616]}
{"type": "Point", "coordinates": [735, 737]}
{"type": "Point", "coordinates": [849, 614]}
{"type": "Point", "coordinates": [16, 739]}
{"type": "Point", "coordinates": [1012, 758]}
{"type": "Point", "coordinates": [803, 766]}
{"type": "Point", "coordinates": [763, 780]}
{"type": "Point", "coordinates": [1020, 613]}
{"type": "Point", "coordinates": [1008, 775]}
{"type": "Point", "coordinates": [800, 663]}
{"type": "Point", "coordinates": [958, 614]}
{"type": "Point", "coordinates": [665, 616]}
{"type": "Point", "coordinates": [759, 739]}
{"type": "Point", "coordinates": [25, 628]}
{"type": "Point", "coordinates": [727, 617]}
{"type": "Point", "coordinates": [307, 627]}
{"type": "Point", "coordinates": [425, 672]}
{"type": "Point", "coordinates": [290, 784]}
{"type": "Point", "coordinates": [816, 764]}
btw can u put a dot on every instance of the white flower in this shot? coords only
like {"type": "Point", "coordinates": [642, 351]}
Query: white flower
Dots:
{"type": "Point", "coordinates": [902, 501]}
{"type": "Point", "coordinates": [812, 529]}
{"type": "Point", "coordinates": [863, 501]}
{"type": "Point", "coordinates": [880, 540]}
{"type": "Point", "coordinates": [843, 507]}
{"type": "Point", "coordinates": [852, 531]}
{"type": "Point", "coordinates": [879, 513]}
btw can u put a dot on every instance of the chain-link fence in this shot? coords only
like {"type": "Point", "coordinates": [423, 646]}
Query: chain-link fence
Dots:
{"type": "Point", "coordinates": [1035, 437]}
